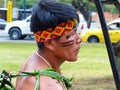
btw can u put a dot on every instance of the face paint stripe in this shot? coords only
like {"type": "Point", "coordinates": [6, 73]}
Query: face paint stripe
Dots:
{"type": "Point", "coordinates": [67, 45]}
{"type": "Point", "coordinates": [67, 42]}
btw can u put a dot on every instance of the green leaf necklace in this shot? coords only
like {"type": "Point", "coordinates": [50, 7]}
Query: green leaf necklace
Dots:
{"type": "Point", "coordinates": [6, 77]}
{"type": "Point", "coordinates": [61, 83]}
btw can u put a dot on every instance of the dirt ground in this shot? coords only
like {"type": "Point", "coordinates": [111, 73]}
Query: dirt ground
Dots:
{"type": "Point", "coordinates": [94, 84]}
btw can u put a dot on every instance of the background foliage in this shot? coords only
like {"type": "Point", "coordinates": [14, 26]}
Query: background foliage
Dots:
{"type": "Point", "coordinates": [30, 3]}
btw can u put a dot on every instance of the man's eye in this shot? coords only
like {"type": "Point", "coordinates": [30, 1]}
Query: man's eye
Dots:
{"type": "Point", "coordinates": [71, 34]}
{"type": "Point", "coordinates": [75, 30]}
{"type": "Point", "coordinates": [67, 37]}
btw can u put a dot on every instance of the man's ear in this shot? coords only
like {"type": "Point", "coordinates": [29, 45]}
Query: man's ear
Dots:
{"type": "Point", "coordinates": [49, 43]}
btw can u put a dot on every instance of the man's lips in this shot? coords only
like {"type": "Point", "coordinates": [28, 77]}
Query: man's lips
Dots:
{"type": "Point", "coordinates": [77, 50]}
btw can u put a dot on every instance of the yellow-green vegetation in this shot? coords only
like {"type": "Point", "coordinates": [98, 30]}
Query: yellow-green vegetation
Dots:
{"type": "Point", "coordinates": [12, 55]}
{"type": "Point", "coordinates": [91, 71]}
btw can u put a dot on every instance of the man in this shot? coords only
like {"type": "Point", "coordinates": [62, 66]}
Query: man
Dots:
{"type": "Point", "coordinates": [54, 26]}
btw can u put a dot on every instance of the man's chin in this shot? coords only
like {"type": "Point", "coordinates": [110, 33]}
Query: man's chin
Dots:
{"type": "Point", "coordinates": [72, 60]}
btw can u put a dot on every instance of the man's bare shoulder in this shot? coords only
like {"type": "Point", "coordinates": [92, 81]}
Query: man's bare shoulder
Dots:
{"type": "Point", "coordinates": [46, 83]}
{"type": "Point", "coordinates": [25, 83]}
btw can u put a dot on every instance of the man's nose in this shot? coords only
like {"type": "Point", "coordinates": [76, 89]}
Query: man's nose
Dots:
{"type": "Point", "coordinates": [79, 39]}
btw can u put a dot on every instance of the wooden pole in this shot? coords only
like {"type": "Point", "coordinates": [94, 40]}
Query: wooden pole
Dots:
{"type": "Point", "coordinates": [110, 50]}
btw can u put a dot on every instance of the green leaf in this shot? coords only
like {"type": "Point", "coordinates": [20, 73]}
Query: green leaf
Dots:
{"type": "Point", "coordinates": [5, 78]}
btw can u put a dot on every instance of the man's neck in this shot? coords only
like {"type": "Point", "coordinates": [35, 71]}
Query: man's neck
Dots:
{"type": "Point", "coordinates": [51, 59]}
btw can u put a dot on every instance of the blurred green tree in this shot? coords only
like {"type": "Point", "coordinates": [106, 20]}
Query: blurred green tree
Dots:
{"type": "Point", "coordinates": [29, 3]}
{"type": "Point", "coordinates": [1, 3]}
{"type": "Point", "coordinates": [85, 7]}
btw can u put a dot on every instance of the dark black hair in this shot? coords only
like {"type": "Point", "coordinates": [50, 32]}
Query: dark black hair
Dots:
{"type": "Point", "coordinates": [48, 14]}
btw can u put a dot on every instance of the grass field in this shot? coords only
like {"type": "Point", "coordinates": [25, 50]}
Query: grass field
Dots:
{"type": "Point", "coordinates": [91, 71]}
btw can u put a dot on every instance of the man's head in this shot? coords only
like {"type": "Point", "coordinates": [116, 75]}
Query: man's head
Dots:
{"type": "Point", "coordinates": [48, 16]}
